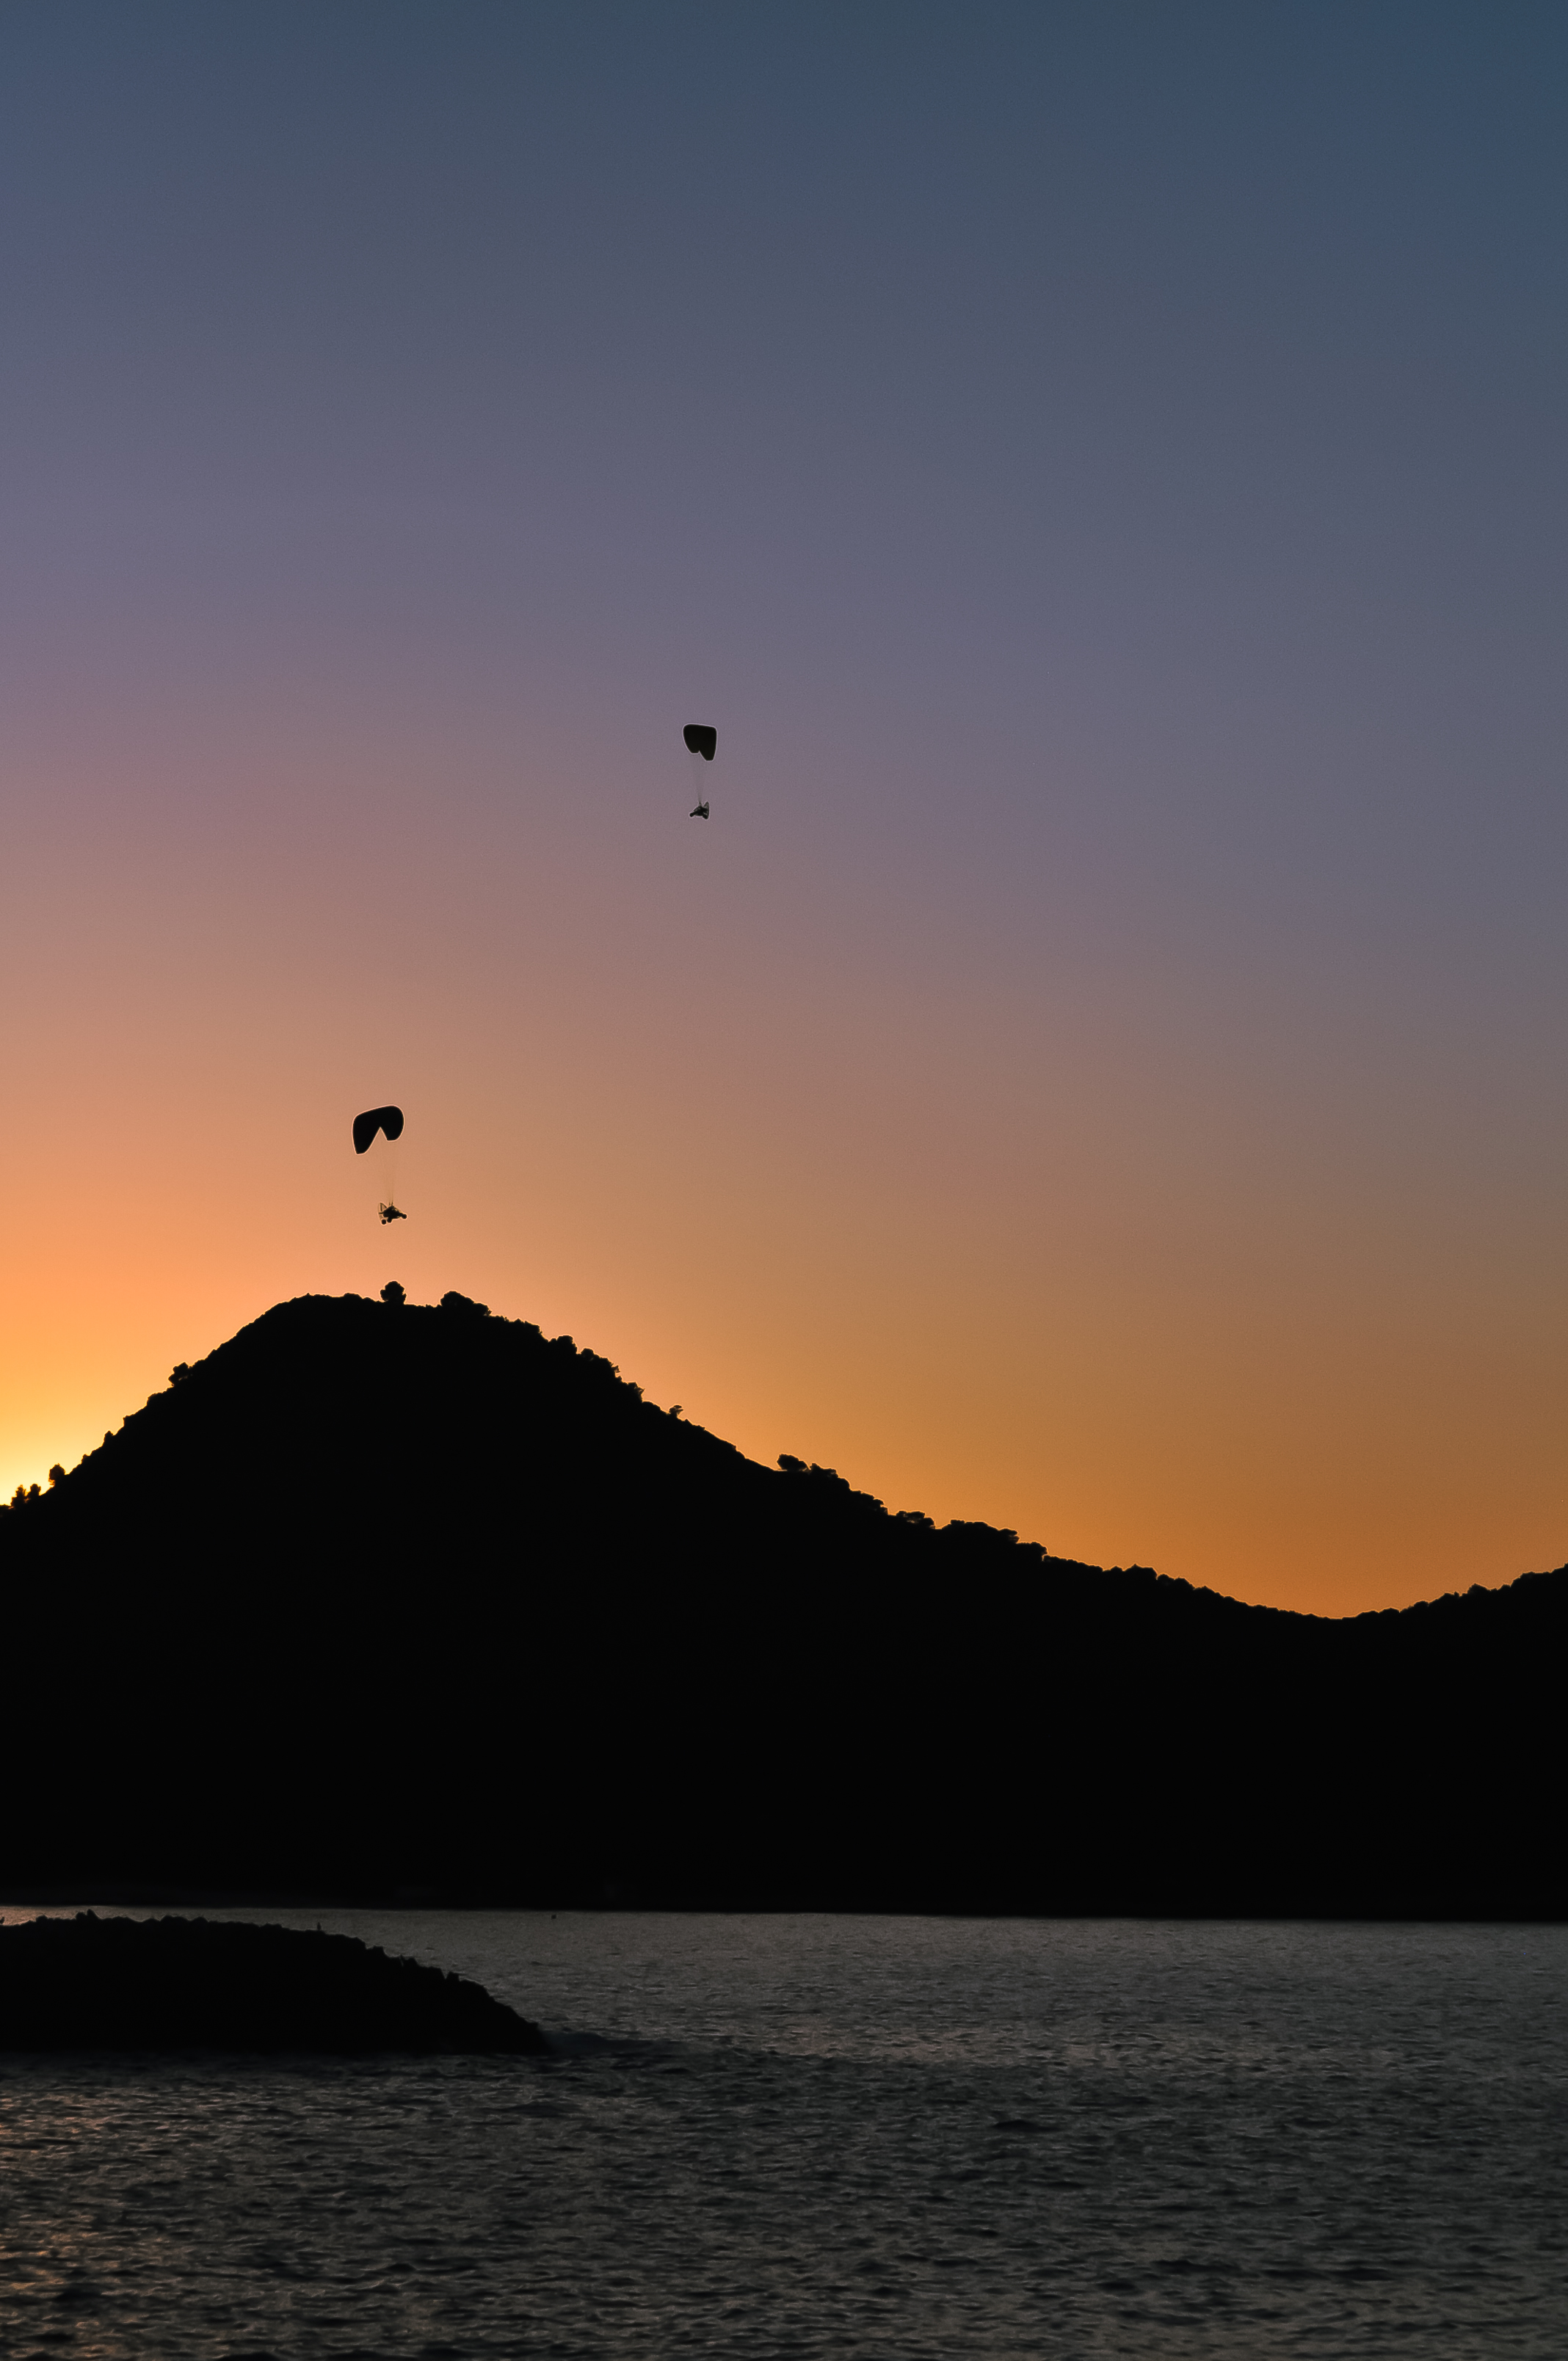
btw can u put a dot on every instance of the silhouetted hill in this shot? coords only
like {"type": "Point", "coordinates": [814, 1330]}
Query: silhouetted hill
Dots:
{"type": "Point", "coordinates": [382, 1598]}
{"type": "Point", "coordinates": [186, 1983]}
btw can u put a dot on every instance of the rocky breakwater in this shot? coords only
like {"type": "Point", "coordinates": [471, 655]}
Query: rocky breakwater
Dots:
{"type": "Point", "coordinates": [195, 1984]}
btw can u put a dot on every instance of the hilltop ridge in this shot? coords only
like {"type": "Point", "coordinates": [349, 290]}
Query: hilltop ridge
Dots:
{"type": "Point", "coordinates": [383, 1597]}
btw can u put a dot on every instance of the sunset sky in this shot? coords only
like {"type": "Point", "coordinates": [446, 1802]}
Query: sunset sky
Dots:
{"type": "Point", "coordinates": [1102, 1068]}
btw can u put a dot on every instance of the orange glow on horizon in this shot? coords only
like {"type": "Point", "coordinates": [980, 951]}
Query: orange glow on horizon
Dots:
{"type": "Point", "coordinates": [1099, 1069]}
{"type": "Point", "coordinates": [1066, 1261]}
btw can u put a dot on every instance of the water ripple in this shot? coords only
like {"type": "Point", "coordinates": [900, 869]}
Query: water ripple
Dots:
{"type": "Point", "coordinates": [776, 2136]}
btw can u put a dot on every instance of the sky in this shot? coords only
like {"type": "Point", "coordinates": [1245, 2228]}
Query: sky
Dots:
{"type": "Point", "coordinates": [1101, 1068]}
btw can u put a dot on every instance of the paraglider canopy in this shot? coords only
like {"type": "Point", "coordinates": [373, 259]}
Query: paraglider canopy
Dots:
{"type": "Point", "coordinates": [701, 740]}
{"type": "Point", "coordinates": [366, 1126]}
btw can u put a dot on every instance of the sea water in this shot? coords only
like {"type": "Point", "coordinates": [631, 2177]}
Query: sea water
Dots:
{"type": "Point", "coordinates": [794, 2134]}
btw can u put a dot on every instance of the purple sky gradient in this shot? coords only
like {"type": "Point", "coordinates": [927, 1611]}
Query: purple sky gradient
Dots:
{"type": "Point", "coordinates": [1100, 468]}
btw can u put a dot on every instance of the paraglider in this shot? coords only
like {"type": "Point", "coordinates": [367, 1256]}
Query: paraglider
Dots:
{"type": "Point", "coordinates": [366, 1126]}
{"type": "Point", "coordinates": [389, 1122]}
{"type": "Point", "coordinates": [701, 739]}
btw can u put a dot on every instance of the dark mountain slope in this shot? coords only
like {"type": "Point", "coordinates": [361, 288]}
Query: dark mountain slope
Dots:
{"type": "Point", "coordinates": [384, 1597]}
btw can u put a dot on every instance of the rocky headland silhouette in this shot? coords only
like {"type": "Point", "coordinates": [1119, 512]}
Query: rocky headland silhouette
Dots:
{"type": "Point", "coordinates": [382, 1599]}
{"type": "Point", "coordinates": [180, 1983]}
